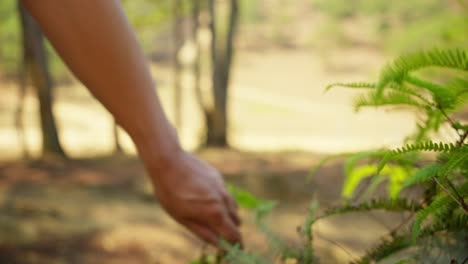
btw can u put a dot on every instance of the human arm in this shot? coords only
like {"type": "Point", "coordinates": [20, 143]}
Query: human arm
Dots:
{"type": "Point", "coordinates": [98, 44]}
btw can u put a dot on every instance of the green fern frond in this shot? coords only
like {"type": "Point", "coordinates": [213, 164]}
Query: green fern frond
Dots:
{"type": "Point", "coordinates": [423, 175]}
{"type": "Point", "coordinates": [396, 205]}
{"type": "Point", "coordinates": [236, 255]}
{"type": "Point", "coordinates": [424, 146]}
{"type": "Point", "coordinates": [308, 253]}
{"type": "Point", "coordinates": [401, 88]}
{"type": "Point", "coordinates": [392, 245]}
{"type": "Point", "coordinates": [391, 98]}
{"type": "Point", "coordinates": [386, 248]}
{"type": "Point", "coordinates": [456, 159]}
{"type": "Point", "coordinates": [355, 85]}
{"type": "Point", "coordinates": [433, 120]}
{"type": "Point", "coordinates": [443, 96]}
{"type": "Point", "coordinates": [437, 206]}
{"type": "Point", "coordinates": [398, 70]}
{"type": "Point", "coordinates": [459, 85]}
{"type": "Point", "coordinates": [454, 223]}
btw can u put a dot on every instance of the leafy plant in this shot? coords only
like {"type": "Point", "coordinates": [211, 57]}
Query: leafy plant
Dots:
{"type": "Point", "coordinates": [440, 169]}
{"type": "Point", "coordinates": [442, 209]}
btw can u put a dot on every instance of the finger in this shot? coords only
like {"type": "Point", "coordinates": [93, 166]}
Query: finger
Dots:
{"type": "Point", "coordinates": [232, 208]}
{"type": "Point", "coordinates": [203, 232]}
{"type": "Point", "coordinates": [225, 227]}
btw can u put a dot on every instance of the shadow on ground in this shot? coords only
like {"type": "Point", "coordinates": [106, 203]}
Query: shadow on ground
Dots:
{"type": "Point", "coordinates": [102, 210]}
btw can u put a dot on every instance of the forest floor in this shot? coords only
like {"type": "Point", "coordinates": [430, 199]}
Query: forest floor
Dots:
{"type": "Point", "coordinates": [102, 210]}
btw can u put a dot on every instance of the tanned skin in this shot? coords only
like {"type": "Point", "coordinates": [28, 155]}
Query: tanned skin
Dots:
{"type": "Point", "coordinates": [98, 44]}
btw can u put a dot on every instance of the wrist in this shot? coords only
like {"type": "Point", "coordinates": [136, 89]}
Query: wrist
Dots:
{"type": "Point", "coordinates": [159, 151]}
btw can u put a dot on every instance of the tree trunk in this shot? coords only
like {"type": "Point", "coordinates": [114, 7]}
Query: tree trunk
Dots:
{"type": "Point", "coordinates": [35, 58]}
{"type": "Point", "coordinates": [197, 60]}
{"type": "Point", "coordinates": [178, 37]}
{"type": "Point", "coordinates": [222, 51]}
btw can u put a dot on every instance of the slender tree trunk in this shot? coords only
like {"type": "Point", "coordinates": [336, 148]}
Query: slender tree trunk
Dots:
{"type": "Point", "coordinates": [37, 68]}
{"type": "Point", "coordinates": [197, 60]}
{"type": "Point", "coordinates": [178, 37]}
{"type": "Point", "coordinates": [222, 51]}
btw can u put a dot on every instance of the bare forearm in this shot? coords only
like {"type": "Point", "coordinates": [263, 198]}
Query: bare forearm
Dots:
{"type": "Point", "coordinates": [96, 41]}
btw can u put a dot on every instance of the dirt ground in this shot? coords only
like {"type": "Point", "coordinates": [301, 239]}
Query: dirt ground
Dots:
{"type": "Point", "coordinates": [102, 210]}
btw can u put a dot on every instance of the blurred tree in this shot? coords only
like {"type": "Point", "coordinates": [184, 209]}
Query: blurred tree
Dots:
{"type": "Point", "coordinates": [36, 67]}
{"type": "Point", "coordinates": [222, 51]}
{"type": "Point", "coordinates": [197, 60]}
{"type": "Point", "coordinates": [178, 40]}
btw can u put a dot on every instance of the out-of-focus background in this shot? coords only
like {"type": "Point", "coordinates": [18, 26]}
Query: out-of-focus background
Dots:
{"type": "Point", "coordinates": [96, 206]}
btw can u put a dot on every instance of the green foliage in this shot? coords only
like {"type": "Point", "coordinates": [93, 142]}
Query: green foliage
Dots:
{"type": "Point", "coordinates": [385, 248]}
{"type": "Point", "coordinates": [248, 201]}
{"type": "Point", "coordinates": [396, 205]}
{"type": "Point", "coordinates": [441, 211]}
{"type": "Point", "coordinates": [424, 146]}
{"type": "Point", "coordinates": [399, 69]}
{"type": "Point", "coordinates": [251, 11]}
{"type": "Point", "coordinates": [435, 98]}
{"type": "Point", "coordinates": [439, 205]}
{"type": "Point", "coordinates": [278, 248]}
{"type": "Point", "coordinates": [423, 175]}
{"type": "Point", "coordinates": [9, 37]}
{"type": "Point", "coordinates": [400, 25]}
{"type": "Point", "coordinates": [148, 17]}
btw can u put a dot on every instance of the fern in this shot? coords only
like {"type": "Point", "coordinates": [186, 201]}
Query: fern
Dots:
{"type": "Point", "coordinates": [440, 204]}
{"type": "Point", "coordinates": [443, 97]}
{"type": "Point", "coordinates": [308, 253]}
{"type": "Point", "coordinates": [401, 88]}
{"type": "Point", "coordinates": [460, 87]}
{"type": "Point", "coordinates": [441, 209]}
{"type": "Point", "coordinates": [434, 118]}
{"type": "Point", "coordinates": [455, 160]}
{"type": "Point", "coordinates": [453, 224]}
{"type": "Point", "coordinates": [236, 255]}
{"type": "Point", "coordinates": [356, 85]}
{"type": "Point", "coordinates": [423, 175]}
{"type": "Point", "coordinates": [398, 85]}
{"type": "Point", "coordinates": [391, 98]}
{"type": "Point", "coordinates": [399, 69]}
{"type": "Point", "coordinates": [394, 244]}
{"type": "Point", "coordinates": [424, 146]}
{"type": "Point", "coordinates": [396, 205]}
{"type": "Point", "coordinates": [386, 248]}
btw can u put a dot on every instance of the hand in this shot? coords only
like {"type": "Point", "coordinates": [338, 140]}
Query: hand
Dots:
{"type": "Point", "coordinates": [193, 193]}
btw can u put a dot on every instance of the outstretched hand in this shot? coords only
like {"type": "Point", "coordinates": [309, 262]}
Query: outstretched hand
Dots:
{"type": "Point", "coordinates": [193, 193]}
{"type": "Point", "coordinates": [96, 41]}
